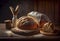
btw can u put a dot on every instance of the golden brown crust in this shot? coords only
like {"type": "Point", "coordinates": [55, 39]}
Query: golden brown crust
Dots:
{"type": "Point", "coordinates": [47, 29]}
{"type": "Point", "coordinates": [31, 26]}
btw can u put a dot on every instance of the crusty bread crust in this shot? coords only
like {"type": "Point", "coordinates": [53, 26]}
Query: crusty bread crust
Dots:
{"type": "Point", "coordinates": [23, 19]}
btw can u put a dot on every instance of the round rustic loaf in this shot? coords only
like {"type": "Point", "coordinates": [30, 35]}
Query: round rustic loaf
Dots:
{"type": "Point", "coordinates": [27, 23]}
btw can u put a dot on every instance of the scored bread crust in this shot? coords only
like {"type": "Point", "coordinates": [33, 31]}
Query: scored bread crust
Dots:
{"type": "Point", "coordinates": [24, 18]}
{"type": "Point", "coordinates": [48, 29]}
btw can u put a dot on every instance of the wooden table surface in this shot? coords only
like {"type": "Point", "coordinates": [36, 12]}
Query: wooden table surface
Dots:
{"type": "Point", "coordinates": [11, 35]}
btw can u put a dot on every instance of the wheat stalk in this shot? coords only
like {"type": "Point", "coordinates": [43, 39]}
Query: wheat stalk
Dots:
{"type": "Point", "coordinates": [12, 9]}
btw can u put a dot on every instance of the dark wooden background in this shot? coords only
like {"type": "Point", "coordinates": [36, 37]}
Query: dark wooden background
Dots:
{"type": "Point", "coordinates": [49, 7]}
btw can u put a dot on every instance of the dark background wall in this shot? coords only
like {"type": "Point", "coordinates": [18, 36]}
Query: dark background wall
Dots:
{"type": "Point", "coordinates": [48, 7]}
{"type": "Point", "coordinates": [26, 6]}
{"type": "Point", "coordinates": [51, 9]}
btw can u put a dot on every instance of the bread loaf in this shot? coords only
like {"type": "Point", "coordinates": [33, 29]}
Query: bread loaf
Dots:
{"type": "Point", "coordinates": [27, 23]}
